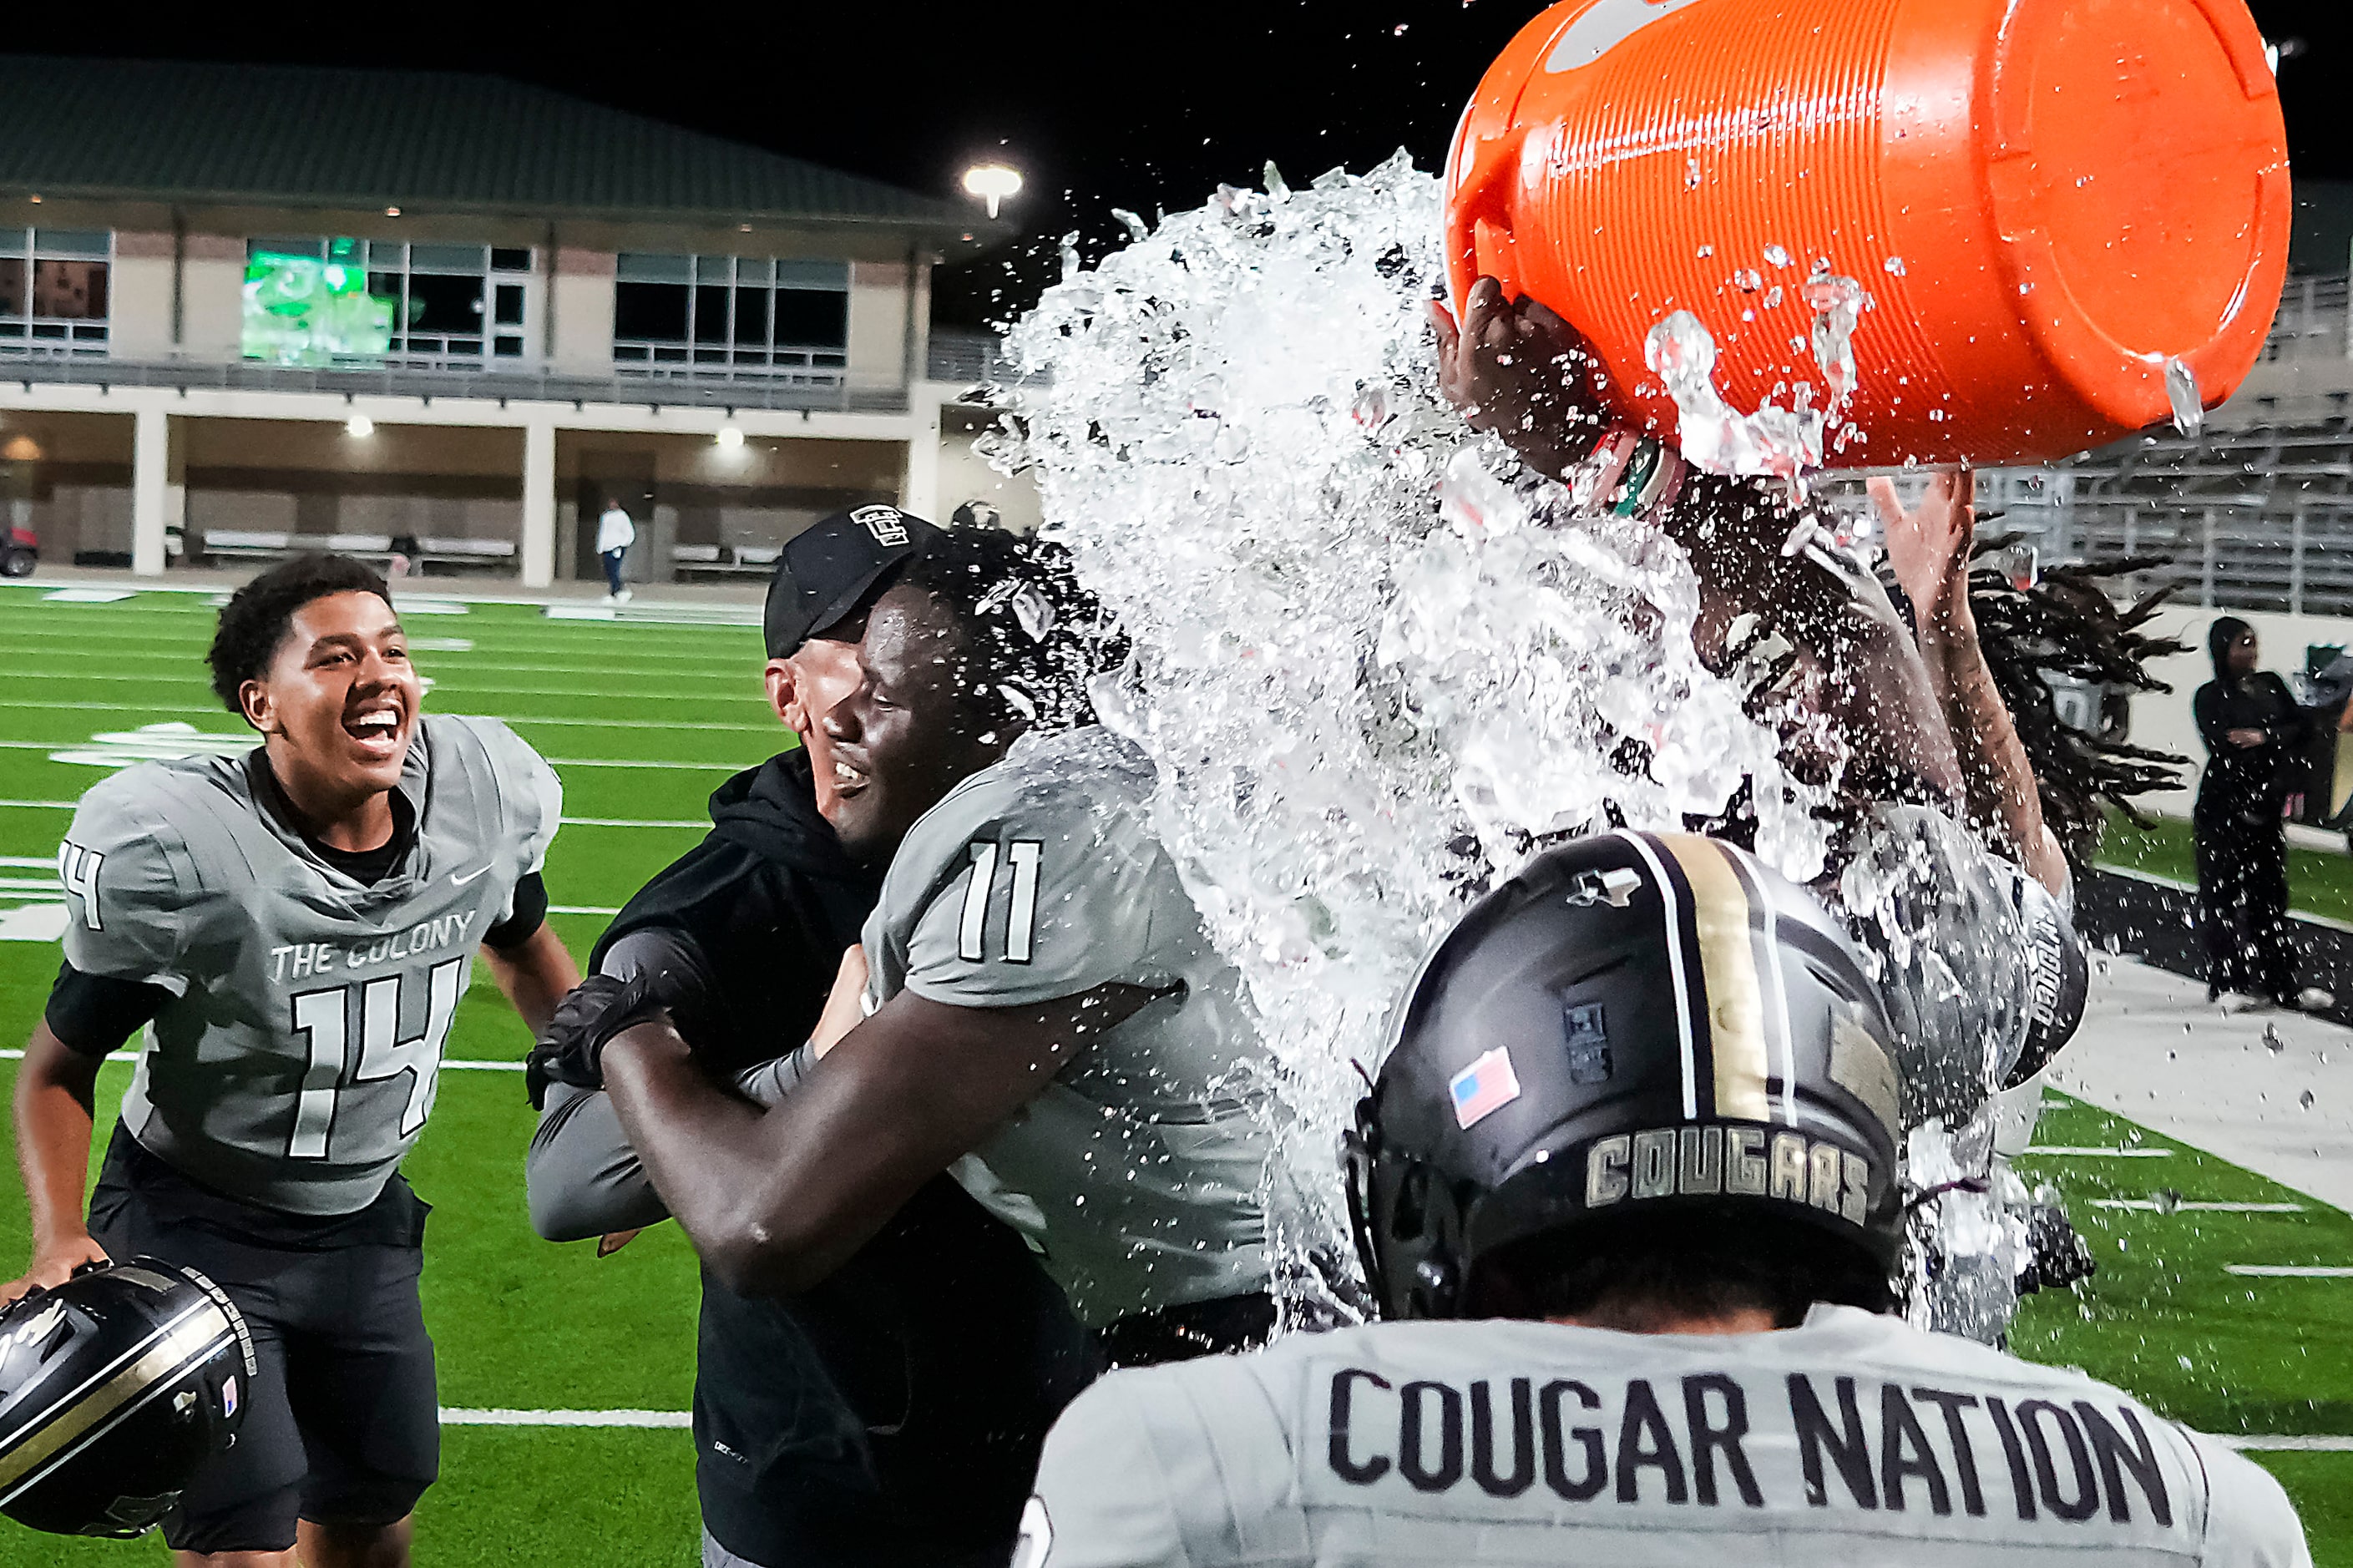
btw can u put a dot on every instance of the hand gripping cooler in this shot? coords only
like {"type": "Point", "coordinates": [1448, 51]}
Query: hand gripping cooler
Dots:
{"type": "Point", "coordinates": [2047, 200]}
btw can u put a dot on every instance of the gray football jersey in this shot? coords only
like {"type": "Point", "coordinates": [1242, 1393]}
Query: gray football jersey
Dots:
{"type": "Point", "coordinates": [1136, 1172]}
{"type": "Point", "coordinates": [297, 1060]}
{"type": "Point", "coordinates": [1850, 1440]}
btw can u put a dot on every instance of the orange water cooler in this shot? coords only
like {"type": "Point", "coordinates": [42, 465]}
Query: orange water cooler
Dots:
{"type": "Point", "coordinates": [2046, 200]}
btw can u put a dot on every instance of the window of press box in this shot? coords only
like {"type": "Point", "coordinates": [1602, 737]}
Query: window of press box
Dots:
{"type": "Point", "coordinates": [53, 290]}
{"type": "Point", "coordinates": [313, 300]}
{"type": "Point", "coordinates": [731, 314]}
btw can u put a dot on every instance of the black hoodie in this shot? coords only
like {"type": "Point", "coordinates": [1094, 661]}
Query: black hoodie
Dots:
{"type": "Point", "coordinates": [893, 1414]}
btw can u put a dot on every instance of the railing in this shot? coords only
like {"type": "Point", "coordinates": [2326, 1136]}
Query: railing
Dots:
{"type": "Point", "coordinates": [2313, 320]}
{"type": "Point", "coordinates": [667, 386]}
{"type": "Point", "coordinates": [971, 357]}
{"type": "Point", "coordinates": [2258, 519]}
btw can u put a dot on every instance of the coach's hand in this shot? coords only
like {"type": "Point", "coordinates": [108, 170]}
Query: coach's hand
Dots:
{"type": "Point", "coordinates": [570, 1049]}
{"type": "Point", "coordinates": [53, 1265]}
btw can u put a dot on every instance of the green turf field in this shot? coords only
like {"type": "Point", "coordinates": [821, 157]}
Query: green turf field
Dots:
{"type": "Point", "coordinates": [2319, 883]}
{"type": "Point", "coordinates": [641, 721]}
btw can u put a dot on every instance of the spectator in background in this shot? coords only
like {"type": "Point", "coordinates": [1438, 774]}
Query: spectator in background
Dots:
{"type": "Point", "coordinates": [2253, 731]}
{"type": "Point", "coordinates": [615, 534]}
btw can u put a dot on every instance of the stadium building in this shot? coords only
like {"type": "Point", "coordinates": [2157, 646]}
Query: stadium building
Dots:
{"type": "Point", "coordinates": [246, 309]}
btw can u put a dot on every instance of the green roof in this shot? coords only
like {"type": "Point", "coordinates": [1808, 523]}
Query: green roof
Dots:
{"type": "Point", "coordinates": [332, 137]}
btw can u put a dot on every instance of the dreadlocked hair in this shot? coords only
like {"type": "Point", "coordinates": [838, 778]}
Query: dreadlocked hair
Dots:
{"type": "Point", "coordinates": [1035, 639]}
{"type": "Point", "coordinates": [2069, 625]}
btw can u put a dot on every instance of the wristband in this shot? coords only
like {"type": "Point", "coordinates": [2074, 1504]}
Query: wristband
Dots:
{"type": "Point", "coordinates": [1629, 474]}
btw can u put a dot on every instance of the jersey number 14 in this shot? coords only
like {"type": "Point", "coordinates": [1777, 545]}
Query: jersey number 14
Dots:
{"type": "Point", "coordinates": [322, 1020]}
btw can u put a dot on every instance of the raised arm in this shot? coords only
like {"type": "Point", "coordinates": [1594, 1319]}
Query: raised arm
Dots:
{"type": "Point", "coordinates": [1929, 549]}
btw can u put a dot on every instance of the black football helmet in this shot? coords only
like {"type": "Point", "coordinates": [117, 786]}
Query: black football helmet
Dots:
{"type": "Point", "coordinates": [113, 1388]}
{"type": "Point", "coordinates": [1633, 1024]}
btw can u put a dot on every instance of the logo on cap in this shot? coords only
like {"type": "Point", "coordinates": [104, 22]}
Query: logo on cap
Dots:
{"type": "Point", "coordinates": [888, 524]}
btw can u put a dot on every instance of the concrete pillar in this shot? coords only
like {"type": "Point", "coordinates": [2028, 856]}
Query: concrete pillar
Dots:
{"type": "Point", "coordinates": [918, 485]}
{"type": "Point", "coordinates": [151, 471]}
{"type": "Point", "coordinates": [538, 504]}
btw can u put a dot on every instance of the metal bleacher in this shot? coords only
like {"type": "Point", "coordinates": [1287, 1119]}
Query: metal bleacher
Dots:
{"type": "Point", "coordinates": [2255, 510]}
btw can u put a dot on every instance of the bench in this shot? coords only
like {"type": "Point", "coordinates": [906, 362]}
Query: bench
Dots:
{"type": "Point", "coordinates": [721, 561]}
{"type": "Point", "coordinates": [252, 544]}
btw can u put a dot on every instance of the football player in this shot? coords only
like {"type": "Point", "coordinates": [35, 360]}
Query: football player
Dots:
{"type": "Point", "coordinates": [295, 926]}
{"type": "Point", "coordinates": [1039, 994]}
{"type": "Point", "coordinates": [849, 1426]}
{"type": "Point", "coordinates": [1955, 884]}
{"type": "Point", "coordinates": [1631, 1162]}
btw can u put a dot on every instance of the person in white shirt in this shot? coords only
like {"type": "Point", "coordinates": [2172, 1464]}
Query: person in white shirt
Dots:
{"type": "Point", "coordinates": [615, 534]}
{"type": "Point", "coordinates": [1632, 1157]}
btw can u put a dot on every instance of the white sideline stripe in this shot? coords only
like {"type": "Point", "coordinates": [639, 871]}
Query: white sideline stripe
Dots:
{"type": "Point", "coordinates": [15, 1055]}
{"type": "Point", "coordinates": [646, 762]}
{"type": "Point", "coordinates": [643, 1418]}
{"type": "Point", "coordinates": [2202, 1207]}
{"type": "Point", "coordinates": [574, 822]}
{"type": "Point", "coordinates": [504, 718]}
{"type": "Point", "coordinates": [2285, 1271]}
{"type": "Point", "coordinates": [2292, 1443]}
{"type": "Point", "coordinates": [580, 910]}
{"type": "Point", "coordinates": [553, 761]}
{"type": "Point", "coordinates": [38, 804]}
{"type": "Point", "coordinates": [2087, 1151]}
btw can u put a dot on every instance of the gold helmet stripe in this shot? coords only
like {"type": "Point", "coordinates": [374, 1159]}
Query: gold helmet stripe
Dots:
{"type": "Point", "coordinates": [1723, 914]}
{"type": "Point", "coordinates": [187, 1342]}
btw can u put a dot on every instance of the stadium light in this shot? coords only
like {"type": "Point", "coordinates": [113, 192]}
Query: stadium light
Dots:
{"type": "Point", "coordinates": [992, 182]}
{"type": "Point", "coordinates": [359, 425]}
{"type": "Point", "coordinates": [729, 438]}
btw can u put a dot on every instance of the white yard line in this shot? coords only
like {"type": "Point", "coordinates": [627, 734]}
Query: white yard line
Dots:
{"type": "Point", "coordinates": [38, 804]}
{"type": "Point", "coordinates": [506, 718]}
{"type": "Point", "coordinates": [12, 1055]}
{"type": "Point", "coordinates": [648, 762]}
{"type": "Point", "coordinates": [2292, 1443]}
{"type": "Point", "coordinates": [2087, 1151]}
{"type": "Point", "coordinates": [663, 1419]}
{"type": "Point", "coordinates": [2187, 1205]}
{"type": "Point", "coordinates": [2284, 1271]}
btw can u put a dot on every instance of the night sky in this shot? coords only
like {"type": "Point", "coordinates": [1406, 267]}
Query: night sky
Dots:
{"type": "Point", "coordinates": [1100, 106]}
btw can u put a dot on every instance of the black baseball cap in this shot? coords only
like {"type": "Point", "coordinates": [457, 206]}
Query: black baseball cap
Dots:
{"type": "Point", "coordinates": [828, 568]}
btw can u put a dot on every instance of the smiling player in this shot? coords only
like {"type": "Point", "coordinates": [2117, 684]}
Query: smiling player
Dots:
{"type": "Point", "coordinates": [298, 925]}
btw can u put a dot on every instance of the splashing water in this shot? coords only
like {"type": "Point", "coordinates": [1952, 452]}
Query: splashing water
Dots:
{"type": "Point", "coordinates": [1372, 659]}
{"type": "Point", "coordinates": [1773, 442]}
{"type": "Point", "coordinates": [2181, 392]}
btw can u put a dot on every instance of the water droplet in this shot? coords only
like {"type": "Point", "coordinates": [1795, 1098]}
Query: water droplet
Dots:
{"type": "Point", "coordinates": [1776, 256]}
{"type": "Point", "coordinates": [1894, 264]}
{"type": "Point", "coordinates": [2182, 391]}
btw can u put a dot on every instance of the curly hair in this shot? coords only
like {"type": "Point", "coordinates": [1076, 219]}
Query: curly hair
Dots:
{"type": "Point", "coordinates": [253, 622]}
{"type": "Point", "coordinates": [1035, 639]}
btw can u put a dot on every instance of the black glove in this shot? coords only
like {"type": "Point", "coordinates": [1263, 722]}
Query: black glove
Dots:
{"type": "Point", "coordinates": [571, 1049]}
